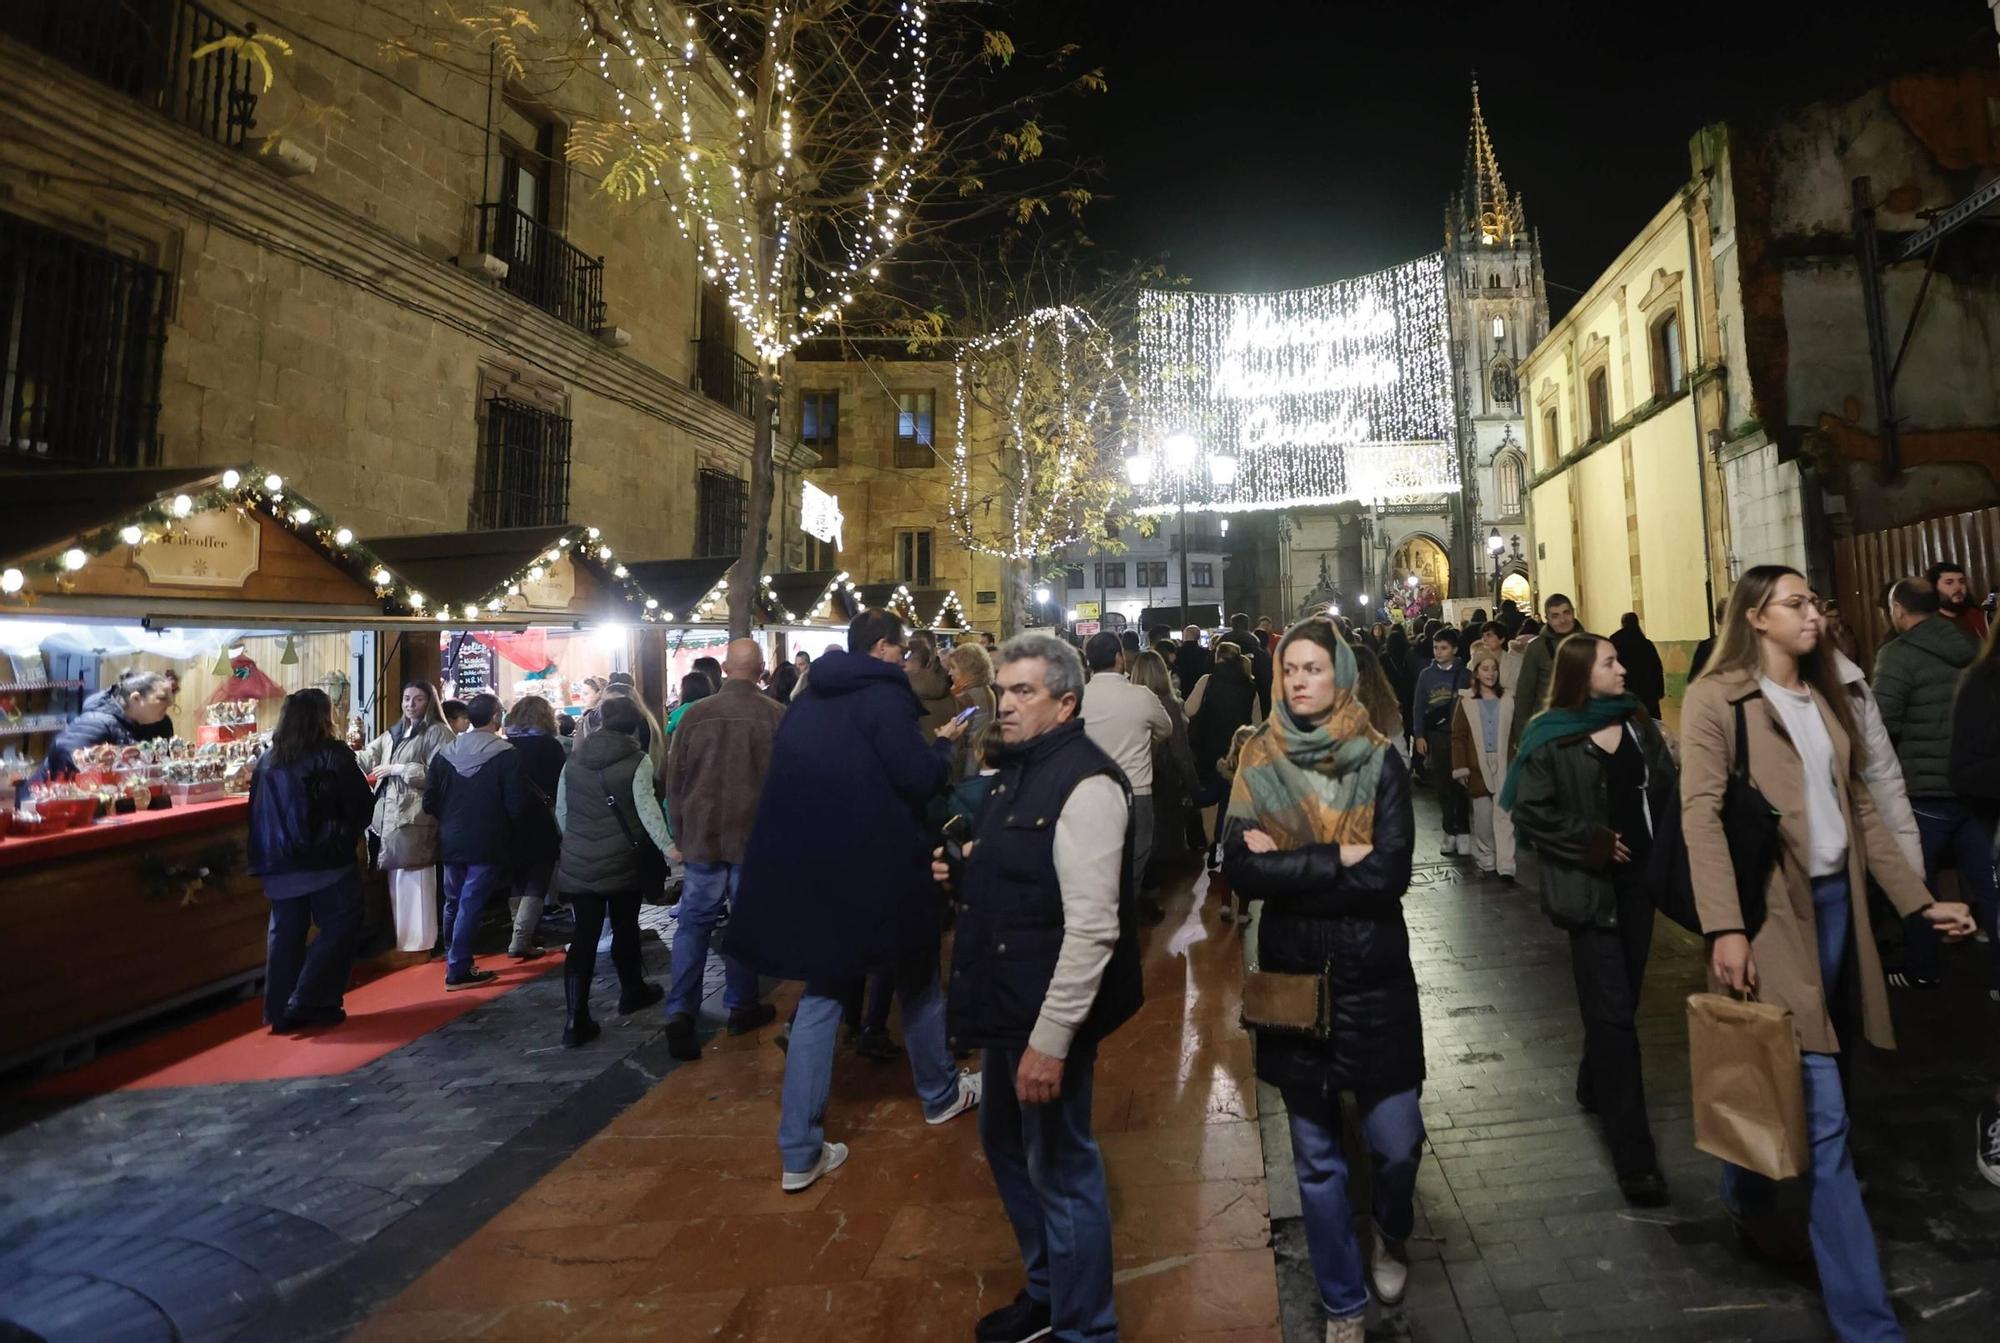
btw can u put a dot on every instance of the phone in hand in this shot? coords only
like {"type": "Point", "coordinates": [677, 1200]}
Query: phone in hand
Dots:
{"type": "Point", "coordinates": [963, 714]}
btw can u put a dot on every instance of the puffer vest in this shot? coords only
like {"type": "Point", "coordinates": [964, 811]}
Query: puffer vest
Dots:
{"type": "Point", "coordinates": [597, 854]}
{"type": "Point", "coordinates": [1010, 918]}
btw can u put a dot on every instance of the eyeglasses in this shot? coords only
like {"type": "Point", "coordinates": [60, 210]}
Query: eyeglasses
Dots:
{"type": "Point", "coordinates": [1800, 605]}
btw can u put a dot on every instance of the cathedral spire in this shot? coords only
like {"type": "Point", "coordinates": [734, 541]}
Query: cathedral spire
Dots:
{"type": "Point", "coordinates": [1485, 208]}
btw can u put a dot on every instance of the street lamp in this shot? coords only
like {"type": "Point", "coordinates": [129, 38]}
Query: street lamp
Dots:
{"type": "Point", "coordinates": [1180, 454]}
{"type": "Point", "coordinates": [1042, 595]}
{"type": "Point", "coordinates": [1494, 545]}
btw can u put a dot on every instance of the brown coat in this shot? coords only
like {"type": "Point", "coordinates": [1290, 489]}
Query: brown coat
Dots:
{"type": "Point", "coordinates": [1465, 743]}
{"type": "Point", "coordinates": [715, 772]}
{"type": "Point", "coordinates": [1786, 949]}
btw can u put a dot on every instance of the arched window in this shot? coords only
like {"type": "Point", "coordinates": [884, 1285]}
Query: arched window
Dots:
{"type": "Point", "coordinates": [1507, 484]}
{"type": "Point", "coordinates": [1551, 444]}
{"type": "Point", "coordinates": [1668, 369]}
{"type": "Point", "coordinates": [1597, 391]}
{"type": "Point", "coordinates": [1502, 382]}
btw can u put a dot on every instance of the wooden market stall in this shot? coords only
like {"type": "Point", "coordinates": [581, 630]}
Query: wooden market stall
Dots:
{"type": "Point", "coordinates": [245, 592]}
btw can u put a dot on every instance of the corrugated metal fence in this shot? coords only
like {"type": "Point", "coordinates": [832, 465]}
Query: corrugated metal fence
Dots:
{"type": "Point", "coordinates": [1865, 566]}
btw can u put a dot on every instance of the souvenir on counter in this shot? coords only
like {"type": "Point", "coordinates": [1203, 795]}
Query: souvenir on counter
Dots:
{"type": "Point", "coordinates": [232, 713]}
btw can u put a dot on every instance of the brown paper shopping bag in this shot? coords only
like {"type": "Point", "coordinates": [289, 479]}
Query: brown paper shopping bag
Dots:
{"type": "Point", "coordinates": [1749, 1092]}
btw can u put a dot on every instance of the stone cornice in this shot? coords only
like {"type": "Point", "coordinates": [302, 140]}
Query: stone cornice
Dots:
{"type": "Point", "coordinates": [50, 112]}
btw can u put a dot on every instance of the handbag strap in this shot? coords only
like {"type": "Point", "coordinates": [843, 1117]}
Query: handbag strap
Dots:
{"type": "Point", "coordinates": [616, 810]}
{"type": "Point", "coordinates": [1740, 766]}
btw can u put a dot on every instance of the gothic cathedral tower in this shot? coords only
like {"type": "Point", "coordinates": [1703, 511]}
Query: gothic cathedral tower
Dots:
{"type": "Point", "coordinates": [1499, 310]}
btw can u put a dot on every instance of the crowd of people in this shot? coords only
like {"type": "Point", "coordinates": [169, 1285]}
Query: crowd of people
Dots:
{"type": "Point", "coordinates": [1026, 799]}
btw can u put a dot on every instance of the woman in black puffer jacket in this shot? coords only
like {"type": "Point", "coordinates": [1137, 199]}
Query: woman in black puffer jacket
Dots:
{"type": "Point", "coordinates": [1319, 828]}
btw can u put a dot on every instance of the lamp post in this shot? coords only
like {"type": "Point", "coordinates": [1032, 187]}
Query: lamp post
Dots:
{"type": "Point", "coordinates": [1179, 454]}
{"type": "Point", "coordinates": [1494, 545]}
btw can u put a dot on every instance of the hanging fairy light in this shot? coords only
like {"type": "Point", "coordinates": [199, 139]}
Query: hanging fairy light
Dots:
{"type": "Point", "coordinates": [1337, 392]}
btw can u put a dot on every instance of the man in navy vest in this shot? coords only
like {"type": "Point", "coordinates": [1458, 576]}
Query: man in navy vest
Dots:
{"type": "Point", "coordinates": [1044, 966]}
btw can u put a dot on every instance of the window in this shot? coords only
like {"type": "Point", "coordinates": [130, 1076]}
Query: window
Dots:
{"type": "Point", "coordinates": [913, 558]}
{"type": "Point", "coordinates": [521, 225]}
{"type": "Point", "coordinates": [81, 331]}
{"type": "Point", "coordinates": [1201, 574]}
{"type": "Point", "coordinates": [524, 466]}
{"type": "Point", "coordinates": [1076, 580]}
{"type": "Point", "coordinates": [1111, 574]}
{"type": "Point", "coordinates": [1152, 574]}
{"type": "Point", "coordinates": [819, 425]}
{"type": "Point", "coordinates": [1507, 484]}
{"type": "Point", "coordinates": [1551, 437]}
{"type": "Point", "coordinates": [719, 500]}
{"type": "Point", "coordinates": [1503, 383]}
{"type": "Point", "coordinates": [820, 555]}
{"type": "Point", "coordinates": [1667, 370]}
{"type": "Point", "coordinates": [1600, 405]}
{"type": "Point", "coordinates": [916, 417]}
{"type": "Point", "coordinates": [722, 374]}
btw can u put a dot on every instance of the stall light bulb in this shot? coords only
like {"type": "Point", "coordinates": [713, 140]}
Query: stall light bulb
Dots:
{"type": "Point", "coordinates": [564, 543]}
{"type": "Point", "coordinates": [471, 611]}
{"type": "Point", "coordinates": [274, 482]}
{"type": "Point", "coordinates": [594, 533]}
{"type": "Point", "coordinates": [514, 590]}
{"type": "Point", "coordinates": [302, 516]}
{"type": "Point", "coordinates": [182, 505]}
{"type": "Point", "coordinates": [381, 577]}
{"type": "Point", "coordinates": [652, 604]}
{"type": "Point", "coordinates": [664, 615]}
{"type": "Point", "coordinates": [604, 552]}
{"type": "Point", "coordinates": [554, 555]}
{"type": "Point", "coordinates": [343, 537]}
{"type": "Point", "coordinates": [535, 574]}
{"type": "Point", "coordinates": [74, 560]}
{"type": "Point", "coordinates": [231, 479]}
{"type": "Point", "coordinates": [622, 572]}
{"type": "Point", "coordinates": [493, 605]}
{"type": "Point", "coordinates": [417, 601]}
{"type": "Point", "coordinates": [12, 580]}
{"type": "Point", "coordinates": [131, 536]}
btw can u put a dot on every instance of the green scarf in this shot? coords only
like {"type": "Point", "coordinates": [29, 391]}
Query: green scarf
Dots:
{"type": "Point", "coordinates": [1312, 785]}
{"type": "Point", "coordinates": [1554, 724]}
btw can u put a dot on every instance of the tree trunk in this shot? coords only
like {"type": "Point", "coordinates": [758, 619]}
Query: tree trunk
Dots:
{"type": "Point", "coordinates": [746, 576]}
{"type": "Point", "coordinates": [1017, 597]}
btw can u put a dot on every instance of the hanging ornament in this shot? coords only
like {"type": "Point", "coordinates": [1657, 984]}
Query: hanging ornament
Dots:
{"type": "Point", "coordinates": [221, 667]}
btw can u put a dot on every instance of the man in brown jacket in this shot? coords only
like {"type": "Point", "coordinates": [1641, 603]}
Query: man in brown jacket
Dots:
{"type": "Point", "coordinates": [715, 774]}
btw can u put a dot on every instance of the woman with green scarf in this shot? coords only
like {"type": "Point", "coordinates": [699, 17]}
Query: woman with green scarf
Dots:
{"type": "Point", "coordinates": [1590, 781]}
{"type": "Point", "coordinates": [1318, 827]}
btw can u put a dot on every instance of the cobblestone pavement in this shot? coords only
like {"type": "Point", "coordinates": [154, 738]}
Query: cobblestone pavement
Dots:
{"type": "Point", "coordinates": [1521, 1231]}
{"type": "Point", "coordinates": [217, 1212]}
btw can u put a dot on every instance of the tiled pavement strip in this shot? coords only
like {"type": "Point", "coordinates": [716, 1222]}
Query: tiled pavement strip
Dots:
{"type": "Point", "coordinates": [290, 1210]}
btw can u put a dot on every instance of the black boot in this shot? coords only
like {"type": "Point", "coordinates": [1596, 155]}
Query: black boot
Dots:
{"type": "Point", "coordinates": [578, 1028]}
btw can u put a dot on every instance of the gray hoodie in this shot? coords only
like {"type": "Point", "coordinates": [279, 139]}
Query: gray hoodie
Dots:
{"type": "Point", "coordinates": [470, 751]}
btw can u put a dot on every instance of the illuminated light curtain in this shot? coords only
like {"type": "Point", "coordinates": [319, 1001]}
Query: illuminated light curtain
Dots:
{"type": "Point", "coordinates": [1323, 395]}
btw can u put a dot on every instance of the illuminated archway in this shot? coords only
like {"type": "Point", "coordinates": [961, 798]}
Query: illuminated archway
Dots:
{"type": "Point", "coordinates": [1515, 587]}
{"type": "Point", "coordinates": [1424, 557]}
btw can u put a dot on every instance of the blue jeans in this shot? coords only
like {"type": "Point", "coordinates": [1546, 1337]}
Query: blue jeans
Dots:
{"type": "Point", "coordinates": [297, 976]}
{"type": "Point", "coordinates": [1051, 1180]}
{"type": "Point", "coordinates": [707, 893]}
{"type": "Point", "coordinates": [816, 1032]}
{"type": "Point", "coordinates": [467, 888]}
{"type": "Point", "coordinates": [1945, 827]}
{"type": "Point", "coordinates": [1393, 1127]}
{"type": "Point", "coordinates": [1850, 1273]}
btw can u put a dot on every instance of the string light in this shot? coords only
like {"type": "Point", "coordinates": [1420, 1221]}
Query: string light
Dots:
{"type": "Point", "coordinates": [1327, 394]}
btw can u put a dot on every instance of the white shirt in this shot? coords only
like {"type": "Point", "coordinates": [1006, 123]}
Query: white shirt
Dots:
{"type": "Point", "coordinates": [1089, 855]}
{"type": "Point", "coordinates": [1125, 720]}
{"type": "Point", "coordinates": [1826, 824]}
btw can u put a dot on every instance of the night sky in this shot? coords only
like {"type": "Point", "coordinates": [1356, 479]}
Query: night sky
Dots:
{"type": "Point", "coordinates": [1269, 145]}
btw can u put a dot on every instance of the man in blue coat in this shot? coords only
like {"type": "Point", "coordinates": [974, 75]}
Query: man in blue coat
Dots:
{"type": "Point", "coordinates": [836, 879]}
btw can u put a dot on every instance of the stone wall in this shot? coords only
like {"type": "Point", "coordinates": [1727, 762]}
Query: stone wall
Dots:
{"type": "Point", "coordinates": [1766, 522]}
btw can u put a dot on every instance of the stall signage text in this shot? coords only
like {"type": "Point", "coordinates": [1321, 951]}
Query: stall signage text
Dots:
{"type": "Point", "coordinates": [217, 549]}
{"type": "Point", "coordinates": [819, 515]}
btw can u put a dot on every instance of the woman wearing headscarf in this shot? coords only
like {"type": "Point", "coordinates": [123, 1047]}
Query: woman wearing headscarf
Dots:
{"type": "Point", "coordinates": [397, 763]}
{"type": "Point", "coordinates": [1590, 785]}
{"type": "Point", "coordinates": [1319, 828]}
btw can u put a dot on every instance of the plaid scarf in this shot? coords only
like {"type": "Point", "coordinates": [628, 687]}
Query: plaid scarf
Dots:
{"type": "Point", "coordinates": [1313, 785]}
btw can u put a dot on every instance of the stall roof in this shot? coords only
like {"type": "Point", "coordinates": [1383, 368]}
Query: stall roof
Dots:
{"type": "Point", "coordinates": [41, 509]}
{"type": "Point", "coordinates": [488, 570]}
{"type": "Point", "coordinates": [926, 608]}
{"type": "Point", "coordinates": [799, 594]}
{"type": "Point", "coordinates": [680, 585]}
{"type": "Point", "coordinates": [460, 566]}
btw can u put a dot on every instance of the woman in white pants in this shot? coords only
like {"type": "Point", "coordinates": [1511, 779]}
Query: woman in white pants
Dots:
{"type": "Point", "coordinates": [1479, 730]}
{"type": "Point", "coordinates": [396, 763]}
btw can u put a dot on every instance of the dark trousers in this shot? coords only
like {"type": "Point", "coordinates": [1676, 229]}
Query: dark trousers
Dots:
{"type": "Point", "coordinates": [1949, 831]}
{"type": "Point", "coordinates": [1610, 965]}
{"type": "Point", "coordinates": [1451, 793]}
{"type": "Point", "coordinates": [297, 976]}
{"type": "Point", "coordinates": [591, 910]}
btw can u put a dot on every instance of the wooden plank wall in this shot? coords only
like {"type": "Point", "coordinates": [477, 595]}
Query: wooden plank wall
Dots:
{"type": "Point", "coordinates": [320, 656]}
{"type": "Point", "coordinates": [1865, 566]}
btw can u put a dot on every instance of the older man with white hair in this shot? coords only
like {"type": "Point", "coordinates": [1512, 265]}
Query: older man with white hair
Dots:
{"type": "Point", "coordinates": [1045, 965]}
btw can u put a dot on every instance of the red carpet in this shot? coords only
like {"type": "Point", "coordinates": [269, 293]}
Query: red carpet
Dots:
{"type": "Point", "coordinates": [383, 1014]}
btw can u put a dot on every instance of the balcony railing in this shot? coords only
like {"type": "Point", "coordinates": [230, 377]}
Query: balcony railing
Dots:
{"type": "Point", "coordinates": [724, 376]}
{"type": "Point", "coordinates": [145, 48]}
{"type": "Point", "coordinates": [543, 268]}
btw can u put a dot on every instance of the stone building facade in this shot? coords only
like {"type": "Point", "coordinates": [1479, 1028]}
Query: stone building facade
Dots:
{"type": "Point", "coordinates": [319, 269]}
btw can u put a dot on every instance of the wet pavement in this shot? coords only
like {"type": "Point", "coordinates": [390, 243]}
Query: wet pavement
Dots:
{"type": "Point", "coordinates": [481, 1183]}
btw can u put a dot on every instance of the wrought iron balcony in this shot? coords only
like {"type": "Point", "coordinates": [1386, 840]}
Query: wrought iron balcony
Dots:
{"type": "Point", "coordinates": [543, 268]}
{"type": "Point", "coordinates": [724, 376]}
{"type": "Point", "coordinates": [145, 48]}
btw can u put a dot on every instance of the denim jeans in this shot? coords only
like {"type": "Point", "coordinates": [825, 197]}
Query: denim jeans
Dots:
{"type": "Point", "coordinates": [708, 891]}
{"type": "Point", "coordinates": [1850, 1272]}
{"type": "Point", "coordinates": [1051, 1181]}
{"type": "Point", "coordinates": [298, 976]}
{"type": "Point", "coordinates": [1946, 827]}
{"type": "Point", "coordinates": [1393, 1127]}
{"type": "Point", "coordinates": [816, 1032]}
{"type": "Point", "coordinates": [467, 888]}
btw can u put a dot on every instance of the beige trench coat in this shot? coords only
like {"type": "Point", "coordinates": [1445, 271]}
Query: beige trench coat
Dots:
{"type": "Point", "coordinates": [1787, 947]}
{"type": "Point", "coordinates": [399, 803]}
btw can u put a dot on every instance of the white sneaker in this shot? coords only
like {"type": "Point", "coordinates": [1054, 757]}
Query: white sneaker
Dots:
{"type": "Point", "coordinates": [1353, 1330]}
{"type": "Point", "coordinates": [832, 1156]}
{"type": "Point", "coordinates": [1465, 845]}
{"type": "Point", "coordinates": [1388, 1268]}
{"type": "Point", "coordinates": [970, 1087]}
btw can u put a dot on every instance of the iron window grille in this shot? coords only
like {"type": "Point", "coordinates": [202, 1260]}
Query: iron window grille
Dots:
{"type": "Point", "coordinates": [724, 376]}
{"type": "Point", "coordinates": [81, 331]}
{"type": "Point", "coordinates": [524, 467]}
{"type": "Point", "coordinates": [543, 268]}
{"type": "Point", "coordinates": [721, 500]}
{"type": "Point", "coordinates": [145, 49]}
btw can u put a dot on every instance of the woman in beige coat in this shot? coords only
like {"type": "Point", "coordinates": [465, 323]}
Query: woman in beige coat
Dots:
{"type": "Point", "coordinates": [1815, 953]}
{"type": "Point", "coordinates": [397, 763]}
